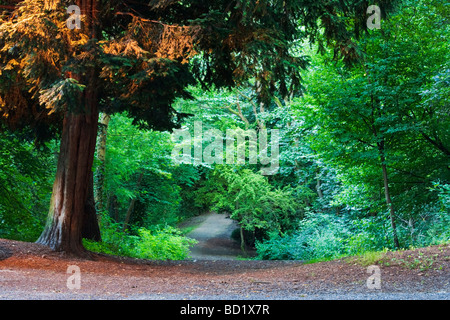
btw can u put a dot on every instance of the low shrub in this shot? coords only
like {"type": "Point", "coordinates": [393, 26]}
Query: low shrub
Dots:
{"type": "Point", "coordinates": [327, 236]}
{"type": "Point", "coordinates": [161, 243]}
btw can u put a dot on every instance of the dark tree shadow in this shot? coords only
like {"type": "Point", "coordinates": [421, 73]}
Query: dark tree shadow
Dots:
{"type": "Point", "coordinates": [5, 253]}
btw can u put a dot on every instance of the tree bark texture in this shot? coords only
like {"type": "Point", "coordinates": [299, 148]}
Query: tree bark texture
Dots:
{"type": "Point", "coordinates": [390, 205]}
{"type": "Point", "coordinates": [241, 231]}
{"type": "Point", "coordinates": [101, 156]}
{"type": "Point", "coordinates": [387, 194]}
{"type": "Point", "coordinates": [71, 205]}
{"type": "Point", "coordinates": [63, 231]}
{"type": "Point", "coordinates": [132, 203]}
{"type": "Point", "coordinates": [91, 228]}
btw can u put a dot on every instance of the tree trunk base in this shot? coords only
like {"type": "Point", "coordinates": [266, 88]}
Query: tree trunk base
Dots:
{"type": "Point", "coordinates": [72, 252]}
{"type": "Point", "coordinates": [71, 206]}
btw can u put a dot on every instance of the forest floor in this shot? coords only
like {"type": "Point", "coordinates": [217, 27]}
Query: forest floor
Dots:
{"type": "Point", "coordinates": [32, 271]}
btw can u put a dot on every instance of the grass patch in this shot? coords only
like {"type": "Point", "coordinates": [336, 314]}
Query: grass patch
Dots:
{"type": "Point", "coordinates": [369, 258]}
{"type": "Point", "coordinates": [422, 259]}
{"type": "Point", "coordinates": [190, 224]}
{"type": "Point", "coordinates": [184, 231]}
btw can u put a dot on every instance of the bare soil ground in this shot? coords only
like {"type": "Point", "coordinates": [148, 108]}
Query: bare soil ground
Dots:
{"type": "Point", "coordinates": [32, 271]}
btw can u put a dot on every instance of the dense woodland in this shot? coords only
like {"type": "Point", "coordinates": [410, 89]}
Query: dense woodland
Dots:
{"type": "Point", "coordinates": [363, 117]}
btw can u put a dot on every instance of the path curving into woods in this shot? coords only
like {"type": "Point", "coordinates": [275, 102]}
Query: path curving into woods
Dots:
{"type": "Point", "coordinates": [214, 238]}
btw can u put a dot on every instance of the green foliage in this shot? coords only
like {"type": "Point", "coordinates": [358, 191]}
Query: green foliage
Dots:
{"type": "Point", "coordinates": [166, 243]}
{"type": "Point", "coordinates": [25, 188]}
{"type": "Point", "coordinates": [327, 236]}
{"type": "Point", "coordinates": [438, 228]}
{"type": "Point", "coordinates": [444, 196]}
{"type": "Point", "coordinates": [389, 109]}
{"type": "Point", "coordinates": [143, 171]}
{"type": "Point", "coordinates": [145, 65]}
{"type": "Point", "coordinates": [198, 189]}
{"type": "Point", "coordinates": [317, 236]}
{"type": "Point", "coordinates": [254, 203]}
{"type": "Point", "coordinates": [370, 258]}
{"type": "Point", "coordinates": [386, 103]}
{"type": "Point", "coordinates": [386, 99]}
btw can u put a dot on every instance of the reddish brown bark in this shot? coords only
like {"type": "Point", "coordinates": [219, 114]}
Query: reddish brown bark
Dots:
{"type": "Point", "coordinates": [73, 180]}
{"type": "Point", "coordinates": [71, 205]}
{"type": "Point", "coordinates": [91, 228]}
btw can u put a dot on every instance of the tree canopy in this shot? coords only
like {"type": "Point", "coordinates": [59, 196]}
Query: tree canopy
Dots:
{"type": "Point", "coordinates": [362, 115]}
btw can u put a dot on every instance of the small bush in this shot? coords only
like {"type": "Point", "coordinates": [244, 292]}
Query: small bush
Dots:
{"type": "Point", "coordinates": [326, 236]}
{"type": "Point", "coordinates": [164, 243]}
{"type": "Point", "coordinates": [289, 247]}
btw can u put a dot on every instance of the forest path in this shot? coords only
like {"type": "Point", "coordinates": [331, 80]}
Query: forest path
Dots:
{"type": "Point", "coordinates": [214, 238]}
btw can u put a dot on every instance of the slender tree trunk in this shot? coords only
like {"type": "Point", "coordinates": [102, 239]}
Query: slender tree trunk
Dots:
{"type": "Point", "coordinates": [114, 208]}
{"type": "Point", "coordinates": [388, 195]}
{"type": "Point", "coordinates": [319, 187]}
{"type": "Point", "coordinates": [101, 156]}
{"type": "Point", "coordinates": [132, 203]}
{"type": "Point", "coordinates": [242, 240]}
{"type": "Point", "coordinates": [129, 212]}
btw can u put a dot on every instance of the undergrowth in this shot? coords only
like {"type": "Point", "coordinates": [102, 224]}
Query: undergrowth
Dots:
{"type": "Point", "coordinates": [160, 243]}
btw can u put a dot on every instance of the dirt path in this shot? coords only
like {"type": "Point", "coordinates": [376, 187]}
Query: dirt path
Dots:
{"type": "Point", "coordinates": [214, 238]}
{"type": "Point", "coordinates": [32, 271]}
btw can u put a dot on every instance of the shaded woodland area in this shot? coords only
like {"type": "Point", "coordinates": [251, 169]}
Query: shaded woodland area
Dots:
{"type": "Point", "coordinates": [87, 117]}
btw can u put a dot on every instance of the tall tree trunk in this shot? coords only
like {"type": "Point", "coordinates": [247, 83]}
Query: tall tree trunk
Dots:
{"type": "Point", "coordinates": [319, 187]}
{"type": "Point", "coordinates": [91, 228]}
{"type": "Point", "coordinates": [132, 203]}
{"type": "Point", "coordinates": [113, 207]}
{"type": "Point", "coordinates": [390, 205]}
{"type": "Point", "coordinates": [63, 231]}
{"type": "Point", "coordinates": [387, 194]}
{"type": "Point", "coordinates": [242, 240]}
{"type": "Point", "coordinates": [101, 156]}
{"type": "Point", "coordinates": [73, 186]}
